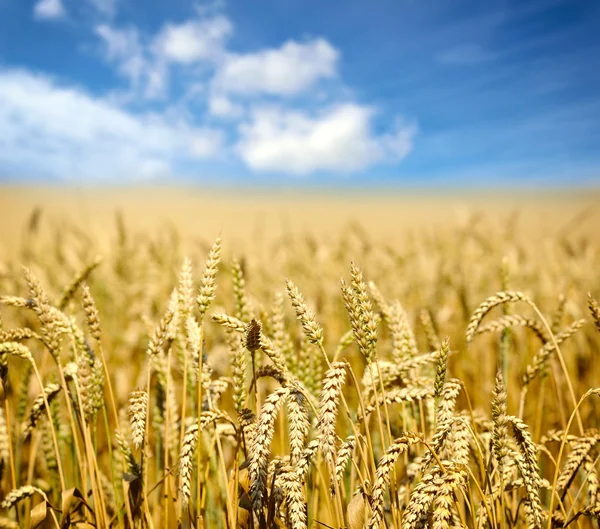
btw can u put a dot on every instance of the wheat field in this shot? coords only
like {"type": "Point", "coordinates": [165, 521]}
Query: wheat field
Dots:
{"type": "Point", "coordinates": [238, 359]}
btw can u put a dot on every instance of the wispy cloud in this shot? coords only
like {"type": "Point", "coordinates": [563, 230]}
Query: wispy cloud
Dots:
{"type": "Point", "coordinates": [105, 7]}
{"type": "Point", "coordinates": [146, 60]}
{"type": "Point", "coordinates": [49, 10]}
{"type": "Point", "coordinates": [123, 48]}
{"type": "Point", "coordinates": [465, 55]}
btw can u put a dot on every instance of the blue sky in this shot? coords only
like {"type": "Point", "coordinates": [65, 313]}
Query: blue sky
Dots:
{"type": "Point", "coordinates": [301, 92]}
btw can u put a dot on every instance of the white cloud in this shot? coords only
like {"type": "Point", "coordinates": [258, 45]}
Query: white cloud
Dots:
{"type": "Point", "coordinates": [49, 10]}
{"type": "Point", "coordinates": [221, 106]}
{"type": "Point", "coordinates": [50, 130]}
{"type": "Point", "coordinates": [288, 70]}
{"type": "Point", "coordinates": [193, 40]}
{"type": "Point", "coordinates": [147, 65]}
{"type": "Point", "coordinates": [339, 139]}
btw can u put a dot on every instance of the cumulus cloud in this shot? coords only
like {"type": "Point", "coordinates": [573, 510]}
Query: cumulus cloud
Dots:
{"type": "Point", "coordinates": [49, 10]}
{"type": "Point", "coordinates": [193, 40]}
{"type": "Point", "coordinates": [191, 73]}
{"type": "Point", "coordinates": [287, 70]}
{"type": "Point", "coordinates": [47, 130]}
{"type": "Point", "coordinates": [339, 139]}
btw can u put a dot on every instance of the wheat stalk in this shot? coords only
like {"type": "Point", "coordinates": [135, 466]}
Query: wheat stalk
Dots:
{"type": "Point", "coordinates": [493, 301]}
{"type": "Point", "coordinates": [386, 463]}
{"type": "Point", "coordinates": [261, 446]}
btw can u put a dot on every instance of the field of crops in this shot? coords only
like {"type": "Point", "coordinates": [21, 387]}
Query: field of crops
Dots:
{"type": "Point", "coordinates": [395, 363]}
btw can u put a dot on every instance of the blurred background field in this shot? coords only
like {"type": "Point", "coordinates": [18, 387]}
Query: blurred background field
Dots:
{"type": "Point", "coordinates": [243, 214]}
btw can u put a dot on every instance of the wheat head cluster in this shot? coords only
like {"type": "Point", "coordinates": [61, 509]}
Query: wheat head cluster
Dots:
{"type": "Point", "coordinates": [450, 381]}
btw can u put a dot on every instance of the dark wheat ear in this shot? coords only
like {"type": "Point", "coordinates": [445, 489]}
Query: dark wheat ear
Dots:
{"type": "Point", "coordinates": [253, 335]}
